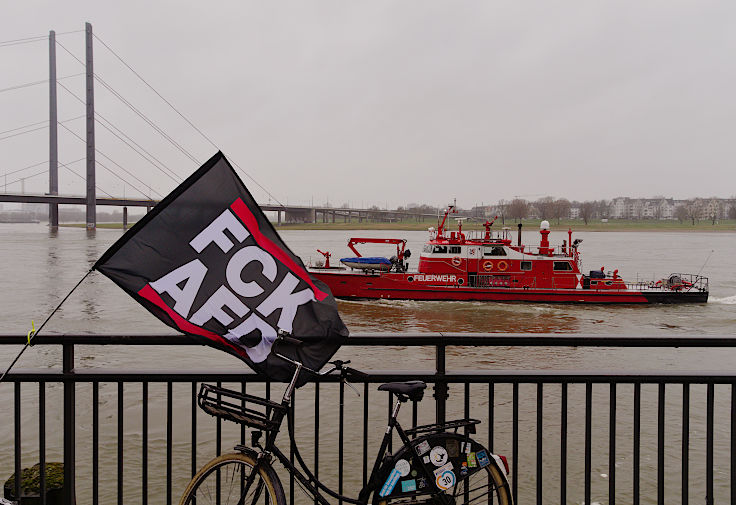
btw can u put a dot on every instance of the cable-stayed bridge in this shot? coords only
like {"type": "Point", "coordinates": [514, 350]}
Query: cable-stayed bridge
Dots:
{"type": "Point", "coordinates": [106, 178]}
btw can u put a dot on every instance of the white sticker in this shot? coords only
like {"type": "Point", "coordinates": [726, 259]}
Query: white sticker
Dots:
{"type": "Point", "coordinates": [426, 459]}
{"type": "Point", "coordinates": [438, 455]}
{"type": "Point", "coordinates": [444, 468]}
{"type": "Point", "coordinates": [446, 480]}
{"type": "Point", "coordinates": [403, 467]}
{"type": "Point", "coordinates": [422, 448]}
{"type": "Point", "coordinates": [467, 448]}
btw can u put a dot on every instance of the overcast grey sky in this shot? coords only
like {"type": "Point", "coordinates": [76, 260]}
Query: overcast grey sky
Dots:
{"type": "Point", "coordinates": [391, 102]}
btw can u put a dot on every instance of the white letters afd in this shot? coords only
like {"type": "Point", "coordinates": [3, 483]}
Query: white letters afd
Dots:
{"type": "Point", "coordinates": [193, 273]}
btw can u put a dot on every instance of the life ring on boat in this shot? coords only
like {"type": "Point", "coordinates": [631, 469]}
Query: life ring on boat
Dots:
{"type": "Point", "coordinates": [456, 261]}
{"type": "Point", "coordinates": [488, 265]}
{"type": "Point", "coordinates": [502, 265]}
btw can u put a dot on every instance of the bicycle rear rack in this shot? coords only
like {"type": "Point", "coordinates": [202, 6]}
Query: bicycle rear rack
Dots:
{"type": "Point", "coordinates": [231, 406]}
{"type": "Point", "coordinates": [449, 425]}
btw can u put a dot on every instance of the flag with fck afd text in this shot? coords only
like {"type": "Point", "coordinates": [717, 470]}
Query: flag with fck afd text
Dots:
{"type": "Point", "coordinates": [207, 262]}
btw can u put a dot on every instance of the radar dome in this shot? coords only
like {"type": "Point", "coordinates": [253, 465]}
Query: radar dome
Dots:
{"type": "Point", "coordinates": [544, 225]}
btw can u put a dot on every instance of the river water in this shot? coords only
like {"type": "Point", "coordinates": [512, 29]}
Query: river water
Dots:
{"type": "Point", "coordinates": [40, 266]}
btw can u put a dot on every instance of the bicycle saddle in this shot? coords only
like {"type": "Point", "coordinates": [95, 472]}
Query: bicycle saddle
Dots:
{"type": "Point", "coordinates": [413, 390]}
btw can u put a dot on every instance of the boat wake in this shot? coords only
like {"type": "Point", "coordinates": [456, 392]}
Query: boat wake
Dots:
{"type": "Point", "coordinates": [728, 300]}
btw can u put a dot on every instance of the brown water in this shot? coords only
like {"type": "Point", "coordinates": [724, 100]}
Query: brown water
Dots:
{"type": "Point", "coordinates": [40, 267]}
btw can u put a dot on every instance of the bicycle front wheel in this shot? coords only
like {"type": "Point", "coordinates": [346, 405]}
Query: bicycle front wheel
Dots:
{"type": "Point", "coordinates": [222, 482]}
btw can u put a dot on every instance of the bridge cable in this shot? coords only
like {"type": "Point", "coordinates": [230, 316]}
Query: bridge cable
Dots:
{"type": "Point", "coordinates": [23, 133]}
{"type": "Point", "coordinates": [169, 172]}
{"type": "Point", "coordinates": [24, 168]}
{"type": "Point", "coordinates": [208, 139]}
{"type": "Point", "coordinates": [174, 174]}
{"type": "Point", "coordinates": [66, 165]}
{"type": "Point", "coordinates": [151, 123]}
{"type": "Point", "coordinates": [120, 166]}
{"type": "Point", "coordinates": [36, 83]}
{"type": "Point", "coordinates": [37, 38]}
{"type": "Point", "coordinates": [32, 334]}
{"type": "Point", "coordinates": [34, 129]}
{"type": "Point", "coordinates": [24, 178]}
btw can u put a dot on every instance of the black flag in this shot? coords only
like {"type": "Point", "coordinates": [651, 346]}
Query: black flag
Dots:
{"type": "Point", "coordinates": [207, 262]}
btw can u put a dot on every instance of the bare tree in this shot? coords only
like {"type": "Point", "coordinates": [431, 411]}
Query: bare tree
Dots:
{"type": "Point", "coordinates": [681, 213]}
{"type": "Point", "coordinates": [560, 209]}
{"type": "Point", "coordinates": [693, 209]}
{"type": "Point", "coordinates": [503, 208]}
{"type": "Point", "coordinates": [603, 208]}
{"type": "Point", "coordinates": [586, 211]}
{"type": "Point", "coordinates": [545, 207]}
{"type": "Point", "coordinates": [518, 209]}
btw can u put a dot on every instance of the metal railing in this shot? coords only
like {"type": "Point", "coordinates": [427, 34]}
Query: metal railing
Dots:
{"type": "Point", "coordinates": [569, 435]}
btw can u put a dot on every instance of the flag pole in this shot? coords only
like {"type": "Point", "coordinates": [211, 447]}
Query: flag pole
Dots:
{"type": "Point", "coordinates": [32, 334]}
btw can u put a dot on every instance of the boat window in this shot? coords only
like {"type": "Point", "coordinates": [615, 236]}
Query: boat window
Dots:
{"type": "Point", "coordinates": [494, 251]}
{"type": "Point", "coordinates": [526, 265]}
{"type": "Point", "coordinates": [562, 266]}
{"type": "Point", "coordinates": [454, 249]}
{"type": "Point", "coordinates": [440, 249]}
{"type": "Point", "coordinates": [427, 248]}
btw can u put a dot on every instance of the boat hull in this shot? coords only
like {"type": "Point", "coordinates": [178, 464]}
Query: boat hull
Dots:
{"type": "Point", "coordinates": [415, 286]}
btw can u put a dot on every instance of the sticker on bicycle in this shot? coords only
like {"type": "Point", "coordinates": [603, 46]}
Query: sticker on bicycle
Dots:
{"type": "Point", "coordinates": [483, 460]}
{"type": "Point", "coordinates": [465, 447]}
{"type": "Point", "coordinates": [408, 485]}
{"type": "Point", "coordinates": [390, 483]}
{"type": "Point", "coordinates": [438, 455]}
{"type": "Point", "coordinates": [443, 469]}
{"type": "Point", "coordinates": [446, 480]}
{"type": "Point", "coordinates": [453, 448]}
{"type": "Point", "coordinates": [422, 447]}
{"type": "Point", "coordinates": [403, 467]}
{"type": "Point", "coordinates": [422, 483]}
{"type": "Point", "coordinates": [472, 463]}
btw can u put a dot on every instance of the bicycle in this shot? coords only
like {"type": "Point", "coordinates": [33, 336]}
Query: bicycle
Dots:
{"type": "Point", "coordinates": [436, 467]}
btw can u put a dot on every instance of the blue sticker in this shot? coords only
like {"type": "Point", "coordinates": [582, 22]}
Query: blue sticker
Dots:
{"type": "Point", "coordinates": [408, 485]}
{"type": "Point", "coordinates": [390, 483]}
{"type": "Point", "coordinates": [482, 459]}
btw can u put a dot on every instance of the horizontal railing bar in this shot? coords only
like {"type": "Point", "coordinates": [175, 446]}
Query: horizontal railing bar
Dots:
{"type": "Point", "coordinates": [427, 339]}
{"type": "Point", "coordinates": [375, 376]}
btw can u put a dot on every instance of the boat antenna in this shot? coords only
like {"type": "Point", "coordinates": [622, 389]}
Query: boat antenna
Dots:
{"type": "Point", "coordinates": [706, 261]}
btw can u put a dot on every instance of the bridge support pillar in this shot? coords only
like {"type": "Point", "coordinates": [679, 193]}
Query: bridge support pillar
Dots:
{"type": "Point", "coordinates": [91, 187]}
{"type": "Point", "coordinates": [333, 216]}
{"type": "Point", "coordinates": [278, 218]}
{"type": "Point", "coordinates": [125, 218]}
{"type": "Point", "coordinates": [53, 138]}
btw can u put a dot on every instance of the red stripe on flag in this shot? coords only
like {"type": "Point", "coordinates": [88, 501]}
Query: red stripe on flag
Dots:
{"type": "Point", "coordinates": [249, 220]}
{"type": "Point", "coordinates": [152, 296]}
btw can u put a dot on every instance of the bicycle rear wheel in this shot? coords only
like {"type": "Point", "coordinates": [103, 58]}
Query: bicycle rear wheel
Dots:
{"type": "Point", "coordinates": [222, 480]}
{"type": "Point", "coordinates": [483, 487]}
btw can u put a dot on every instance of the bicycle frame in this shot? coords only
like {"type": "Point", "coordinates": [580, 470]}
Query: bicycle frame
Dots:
{"type": "Point", "coordinates": [307, 478]}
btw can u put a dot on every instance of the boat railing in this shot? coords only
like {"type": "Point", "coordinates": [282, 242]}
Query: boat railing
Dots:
{"type": "Point", "coordinates": [673, 282]}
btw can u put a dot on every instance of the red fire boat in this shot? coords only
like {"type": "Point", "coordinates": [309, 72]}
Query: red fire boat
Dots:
{"type": "Point", "coordinates": [487, 266]}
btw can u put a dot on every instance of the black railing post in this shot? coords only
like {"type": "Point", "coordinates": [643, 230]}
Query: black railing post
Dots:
{"type": "Point", "coordinates": [69, 425]}
{"type": "Point", "coordinates": [440, 385]}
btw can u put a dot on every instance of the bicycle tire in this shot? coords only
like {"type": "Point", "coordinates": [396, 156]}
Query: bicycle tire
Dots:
{"type": "Point", "coordinates": [497, 492]}
{"type": "Point", "coordinates": [473, 487]}
{"type": "Point", "coordinates": [231, 470]}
